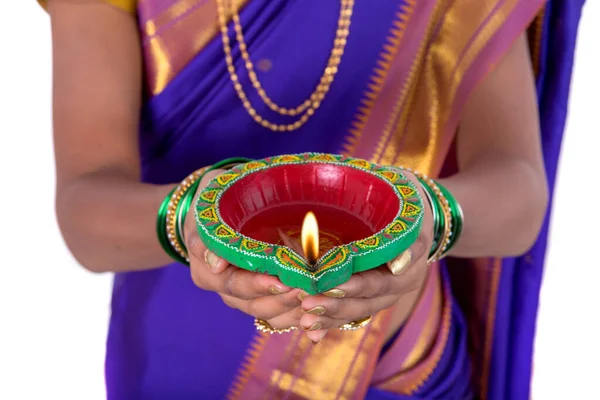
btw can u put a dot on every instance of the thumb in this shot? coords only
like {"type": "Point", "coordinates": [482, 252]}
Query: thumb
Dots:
{"type": "Point", "coordinates": [216, 264]}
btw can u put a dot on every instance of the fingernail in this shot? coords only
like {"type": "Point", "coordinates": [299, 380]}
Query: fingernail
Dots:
{"type": "Point", "coordinates": [399, 263]}
{"type": "Point", "coordinates": [315, 327]}
{"type": "Point", "coordinates": [335, 293]}
{"type": "Point", "coordinates": [318, 310]}
{"type": "Point", "coordinates": [276, 290]}
{"type": "Point", "coordinates": [302, 296]}
{"type": "Point", "coordinates": [211, 259]}
{"type": "Point", "coordinates": [313, 341]}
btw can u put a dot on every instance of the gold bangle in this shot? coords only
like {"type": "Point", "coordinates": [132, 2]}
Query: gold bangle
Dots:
{"type": "Point", "coordinates": [446, 213]}
{"type": "Point", "coordinates": [263, 326]}
{"type": "Point", "coordinates": [172, 218]}
{"type": "Point", "coordinates": [355, 325]}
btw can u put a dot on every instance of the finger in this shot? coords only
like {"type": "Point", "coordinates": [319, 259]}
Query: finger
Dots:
{"type": "Point", "coordinates": [267, 307]}
{"type": "Point", "coordinates": [316, 336]}
{"type": "Point", "coordinates": [411, 256]}
{"type": "Point", "coordinates": [287, 319]}
{"type": "Point", "coordinates": [200, 255]}
{"type": "Point", "coordinates": [234, 281]}
{"type": "Point", "coordinates": [311, 323]}
{"type": "Point", "coordinates": [321, 308]}
{"type": "Point", "coordinates": [368, 284]}
{"type": "Point", "coordinates": [380, 281]}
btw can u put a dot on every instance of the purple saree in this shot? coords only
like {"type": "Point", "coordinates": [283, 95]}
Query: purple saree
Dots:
{"type": "Point", "coordinates": [407, 71]}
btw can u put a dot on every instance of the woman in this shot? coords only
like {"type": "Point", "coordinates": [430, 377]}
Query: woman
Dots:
{"type": "Point", "coordinates": [148, 91]}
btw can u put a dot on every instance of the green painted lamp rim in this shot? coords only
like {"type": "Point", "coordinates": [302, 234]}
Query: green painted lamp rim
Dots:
{"type": "Point", "coordinates": [336, 265]}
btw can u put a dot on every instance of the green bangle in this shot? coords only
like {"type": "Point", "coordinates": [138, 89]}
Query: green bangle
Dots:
{"type": "Point", "coordinates": [438, 222]}
{"type": "Point", "coordinates": [161, 229]}
{"type": "Point", "coordinates": [182, 208]}
{"type": "Point", "coordinates": [456, 214]}
{"type": "Point", "coordinates": [229, 163]}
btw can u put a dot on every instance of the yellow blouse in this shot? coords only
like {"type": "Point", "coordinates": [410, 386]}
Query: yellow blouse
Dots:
{"type": "Point", "coordinates": [125, 5]}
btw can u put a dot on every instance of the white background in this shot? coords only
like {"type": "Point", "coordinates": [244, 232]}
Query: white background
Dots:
{"type": "Point", "coordinates": [53, 315]}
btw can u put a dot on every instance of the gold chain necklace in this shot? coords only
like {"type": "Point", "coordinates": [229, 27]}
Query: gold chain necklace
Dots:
{"type": "Point", "coordinates": [310, 105]}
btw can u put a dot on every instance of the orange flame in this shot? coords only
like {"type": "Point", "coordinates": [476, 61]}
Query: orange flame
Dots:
{"type": "Point", "coordinates": [310, 238]}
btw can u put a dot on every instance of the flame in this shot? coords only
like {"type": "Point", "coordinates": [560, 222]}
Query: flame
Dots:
{"type": "Point", "coordinates": [310, 238]}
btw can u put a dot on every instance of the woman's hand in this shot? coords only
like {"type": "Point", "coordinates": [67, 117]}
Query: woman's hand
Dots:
{"type": "Point", "coordinates": [370, 292]}
{"type": "Point", "coordinates": [262, 296]}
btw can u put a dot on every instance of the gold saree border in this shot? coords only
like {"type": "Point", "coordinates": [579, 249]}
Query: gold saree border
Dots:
{"type": "Point", "coordinates": [459, 40]}
{"type": "Point", "coordinates": [536, 33]}
{"type": "Point", "coordinates": [378, 77]}
{"type": "Point", "coordinates": [175, 35]}
{"type": "Point", "coordinates": [125, 5]}
{"type": "Point", "coordinates": [407, 382]}
{"type": "Point", "coordinates": [254, 349]}
{"type": "Point", "coordinates": [494, 285]}
{"type": "Point", "coordinates": [402, 110]}
{"type": "Point", "coordinates": [332, 369]}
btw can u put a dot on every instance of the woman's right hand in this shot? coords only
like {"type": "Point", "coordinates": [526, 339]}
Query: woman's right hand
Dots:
{"type": "Point", "coordinates": [262, 296]}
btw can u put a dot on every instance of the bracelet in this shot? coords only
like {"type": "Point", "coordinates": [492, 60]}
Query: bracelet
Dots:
{"type": "Point", "coordinates": [448, 217]}
{"type": "Point", "coordinates": [173, 219]}
{"type": "Point", "coordinates": [229, 163]}
{"type": "Point", "coordinates": [161, 231]}
{"type": "Point", "coordinates": [175, 207]}
{"type": "Point", "coordinates": [436, 212]}
{"type": "Point", "coordinates": [457, 217]}
{"type": "Point", "coordinates": [183, 208]}
{"type": "Point", "coordinates": [442, 235]}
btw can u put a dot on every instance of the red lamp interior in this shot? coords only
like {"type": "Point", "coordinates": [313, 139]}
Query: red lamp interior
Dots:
{"type": "Point", "coordinates": [349, 204]}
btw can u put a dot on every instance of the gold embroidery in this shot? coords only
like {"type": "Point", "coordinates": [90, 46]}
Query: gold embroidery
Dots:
{"type": "Point", "coordinates": [386, 150]}
{"type": "Point", "coordinates": [377, 79]}
{"type": "Point", "coordinates": [443, 69]}
{"type": "Point", "coordinates": [291, 362]}
{"type": "Point", "coordinates": [176, 35]}
{"type": "Point", "coordinates": [346, 353]}
{"type": "Point", "coordinates": [409, 381]}
{"type": "Point", "coordinates": [247, 367]}
{"type": "Point", "coordinates": [431, 326]}
{"type": "Point", "coordinates": [430, 366]}
{"type": "Point", "coordinates": [125, 5]}
{"type": "Point", "coordinates": [535, 40]}
{"type": "Point", "coordinates": [489, 326]}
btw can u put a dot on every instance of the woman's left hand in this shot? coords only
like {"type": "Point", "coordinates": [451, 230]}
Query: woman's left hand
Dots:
{"type": "Point", "coordinates": [367, 293]}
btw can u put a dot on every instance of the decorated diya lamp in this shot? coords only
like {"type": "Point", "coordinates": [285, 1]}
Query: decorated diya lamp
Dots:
{"type": "Point", "coordinates": [310, 219]}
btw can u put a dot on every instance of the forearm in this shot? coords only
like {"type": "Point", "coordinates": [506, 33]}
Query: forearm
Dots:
{"type": "Point", "coordinates": [108, 221]}
{"type": "Point", "coordinates": [504, 201]}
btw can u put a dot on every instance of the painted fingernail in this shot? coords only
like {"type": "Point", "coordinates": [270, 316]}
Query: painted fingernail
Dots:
{"type": "Point", "coordinates": [399, 263]}
{"type": "Point", "coordinates": [318, 310]}
{"type": "Point", "coordinates": [335, 293]}
{"type": "Point", "coordinates": [276, 290]}
{"type": "Point", "coordinates": [211, 259]}
{"type": "Point", "coordinates": [316, 326]}
{"type": "Point", "coordinates": [302, 296]}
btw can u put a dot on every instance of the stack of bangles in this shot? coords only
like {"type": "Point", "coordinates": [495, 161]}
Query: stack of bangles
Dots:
{"type": "Point", "coordinates": [447, 225]}
{"type": "Point", "coordinates": [174, 208]}
{"type": "Point", "coordinates": [448, 217]}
